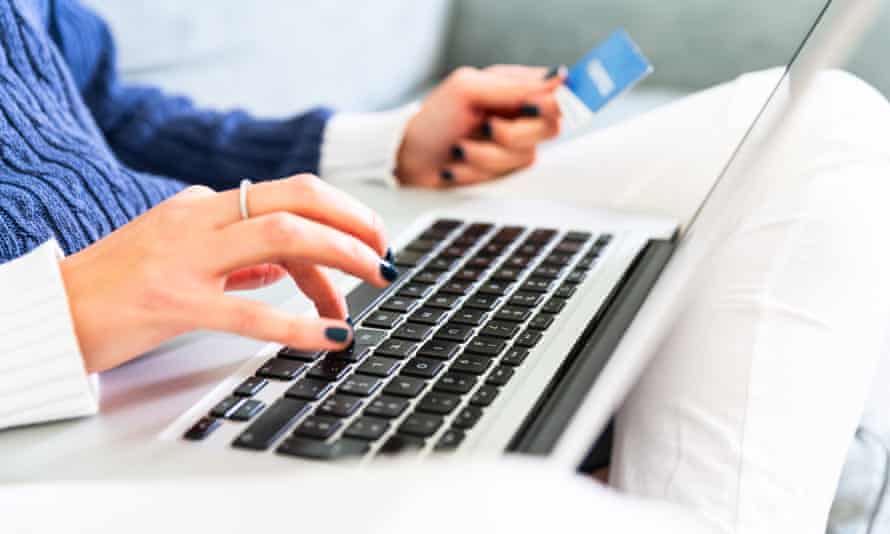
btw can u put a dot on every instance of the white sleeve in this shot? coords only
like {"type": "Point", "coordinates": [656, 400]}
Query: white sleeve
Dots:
{"type": "Point", "coordinates": [42, 375]}
{"type": "Point", "coordinates": [358, 146]}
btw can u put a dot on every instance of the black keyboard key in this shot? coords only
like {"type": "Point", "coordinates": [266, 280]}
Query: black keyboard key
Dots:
{"type": "Point", "coordinates": [281, 369]}
{"type": "Point", "coordinates": [471, 363]}
{"type": "Point", "coordinates": [409, 258]}
{"type": "Point", "coordinates": [468, 417]}
{"type": "Point", "coordinates": [507, 234]}
{"type": "Point", "coordinates": [484, 396]}
{"type": "Point", "coordinates": [290, 353]}
{"type": "Point", "coordinates": [541, 322]}
{"type": "Point", "coordinates": [382, 319]}
{"type": "Point", "coordinates": [565, 291]}
{"type": "Point", "coordinates": [478, 229]}
{"type": "Point", "coordinates": [446, 225]}
{"type": "Point", "coordinates": [529, 249]}
{"type": "Point", "coordinates": [329, 369]}
{"type": "Point", "coordinates": [444, 301]}
{"type": "Point", "coordinates": [500, 376]}
{"type": "Point", "coordinates": [515, 356]}
{"type": "Point", "coordinates": [442, 263]}
{"type": "Point", "coordinates": [422, 367]}
{"type": "Point", "coordinates": [396, 348]}
{"type": "Point", "coordinates": [246, 411]}
{"type": "Point", "coordinates": [413, 331]}
{"type": "Point", "coordinates": [483, 302]}
{"type": "Point", "coordinates": [367, 428]}
{"type": "Point", "coordinates": [468, 275]}
{"type": "Point", "coordinates": [469, 316]}
{"type": "Point", "coordinates": [378, 366]}
{"type": "Point", "coordinates": [537, 285]}
{"type": "Point", "coordinates": [415, 291]}
{"type": "Point", "coordinates": [454, 332]}
{"type": "Point", "coordinates": [486, 346]}
{"type": "Point", "coordinates": [457, 287]}
{"type": "Point", "coordinates": [493, 250]}
{"type": "Point", "coordinates": [351, 354]}
{"type": "Point", "coordinates": [480, 262]}
{"type": "Point", "coordinates": [528, 338]}
{"type": "Point", "coordinates": [309, 389]}
{"type": "Point", "coordinates": [513, 313]}
{"type": "Point", "coordinates": [421, 425]}
{"type": "Point", "coordinates": [317, 427]}
{"type": "Point", "coordinates": [455, 383]}
{"type": "Point", "coordinates": [507, 274]}
{"type": "Point", "coordinates": [387, 407]}
{"type": "Point", "coordinates": [428, 277]}
{"type": "Point", "coordinates": [554, 305]}
{"type": "Point", "coordinates": [454, 251]}
{"type": "Point", "coordinates": [360, 385]}
{"type": "Point", "coordinates": [568, 247]}
{"type": "Point", "coordinates": [368, 338]}
{"type": "Point", "coordinates": [495, 287]}
{"type": "Point", "coordinates": [576, 277]}
{"type": "Point", "coordinates": [319, 450]}
{"type": "Point", "coordinates": [226, 406]}
{"type": "Point", "coordinates": [586, 263]}
{"type": "Point", "coordinates": [399, 444]}
{"type": "Point", "coordinates": [559, 260]}
{"type": "Point", "coordinates": [525, 299]}
{"type": "Point", "coordinates": [339, 405]}
{"type": "Point", "coordinates": [251, 386]}
{"type": "Point", "coordinates": [273, 422]}
{"type": "Point", "coordinates": [427, 315]}
{"type": "Point", "coordinates": [422, 245]}
{"type": "Point", "coordinates": [548, 272]}
{"type": "Point", "coordinates": [438, 403]}
{"type": "Point", "coordinates": [541, 236]}
{"type": "Point", "coordinates": [518, 261]}
{"type": "Point", "coordinates": [577, 236]}
{"type": "Point", "coordinates": [399, 304]}
{"type": "Point", "coordinates": [404, 386]}
{"type": "Point", "coordinates": [203, 428]}
{"type": "Point", "coordinates": [604, 239]}
{"type": "Point", "coordinates": [501, 329]}
{"type": "Point", "coordinates": [439, 349]}
{"type": "Point", "coordinates": [450, 440]}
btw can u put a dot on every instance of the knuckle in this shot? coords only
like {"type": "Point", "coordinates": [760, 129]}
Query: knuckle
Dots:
{"type": "Point", "coordinates": [463, 74]}
{"type": "Point", "coordinates": [197, 190]}
{"type": "Point", "coordinates": [306, 183]}
{"type": "Point", "coordinates": [172, 215]}
{"type": "Point", "coordinates": [281, 230]}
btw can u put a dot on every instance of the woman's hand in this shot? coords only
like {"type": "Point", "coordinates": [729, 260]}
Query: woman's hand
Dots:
{"type": "Point", "coordinates": [166, 272]}
{"type": "Point", "coordinates": [480, 124]}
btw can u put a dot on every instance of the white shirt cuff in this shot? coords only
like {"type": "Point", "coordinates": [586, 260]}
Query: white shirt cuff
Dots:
{"type": "Point", "coordinates": [359, 146]}
{"type": "Point", "coordinates": [42, 374]}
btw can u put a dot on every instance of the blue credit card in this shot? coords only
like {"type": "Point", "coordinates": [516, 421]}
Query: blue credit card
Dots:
{"type": "Point", "coordinates": [608, 70]}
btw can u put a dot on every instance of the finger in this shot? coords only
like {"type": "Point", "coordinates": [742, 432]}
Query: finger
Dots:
{"type": "Point", "coordinates": [316, 284]}
{"type": "Point", "coordinates": [519, 72]}
{"type": "Point", "coordinates": [492, 157]}
{"type": "Point", "coordinates": [284, 238]}
{"type": "Point", "coordinates": [260, 321]}
{"type": "Point", "coordinates": [522, 133]}
{"type": "Point", "coordinates": [309, 197]}
{"type": "Point", "coordinates": [464, 174]}
{"type": "Point", "coordinates": [541, 105]}
{"type": "Point", "coordinates": [493, 91]}
{"type": "Point", "coordinates": [255, 277]}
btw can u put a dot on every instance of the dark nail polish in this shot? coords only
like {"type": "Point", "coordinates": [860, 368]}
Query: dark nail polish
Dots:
{"type": "Point", "coordinates": [336, 334]}
{"type": "Point", "coordinates": [447, 175]}
{"type": "Point", "coordinates": [529, 110]}
{"type": "Point", "coordinates": [457, 153]}
{"type": "Point", "coordinates": [486, 130]}
{"type": "Point", "coordinates": [349, 321]}
{"type": "Point", "coordinates": [390, 257]}
{"type": "Point", "coordinates": [555, 71]}
{"type": "Point", "coordinates": [388, 272]}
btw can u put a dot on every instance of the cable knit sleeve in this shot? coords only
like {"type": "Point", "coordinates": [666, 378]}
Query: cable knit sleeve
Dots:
{"type": "Point", "coordinates": [168, 135]}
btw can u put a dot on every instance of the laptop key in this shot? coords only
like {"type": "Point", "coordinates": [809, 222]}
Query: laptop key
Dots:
{"type": "Point", "coordinates": [557, 259]}
{"type": "Point", "coordinates": [428, 277]}
{"type": "Point", "coordinates": [586, 263]}
{"type": "Point", "coordinates": [438, 403]}
{"type": "Point", "coordinates": [399, 444]}
{"type": "Point", "coordinates": [442, 263]}
{"type": "Point", "coordinates": [500, 376]}
{"type": "Point", "coordinates": [604, 239]}
{"type": "Point", "coordinates": [518, 261]}
{"type": "Point", "coordinates": [515, 356]}
{"type": "Point", "coordinates": [251, 386]}
{"type": "Point", "coordinates": [281, 369]}
{"type": "Point", "coordinates": [480, 262]}
{"type": "Point", "coordinates": [528, 338]}
{"type": "Point", "coordinates": [308, 389]}
{"type": "Point", "coordinates": [478, 229]}
{"type": "Point", "coordinates": [541, 236]}
{"type": "Point", "coordinates": [483, 301]}
{"type": "Point", "coordinates": [444, 301]}
{"type": "Point", "coordinates": [468, 417]}
{"type": "Point", "coordinates": [273, 422]}
{"type": "Point", "coordinates": [468, 275]}
{"type": "Point", "coordinates": [422, 245]}
{"type": "Point", "coordinates": [317, 427]}
{"type": "Point", "coordinates": [578, 236]}
{"type": "Point", "coordinates": [248, 409]}
{"type": "Point", "coordinates": [541, 321]}
{"type": "Point", "coordinates": [290, 353]}
{"type": "Point", "coordinates": [422, 367]}
{"type": "Point", "coordinates": [399, 304]}
{"type": "Point", "coordinates": [396, 348]}
{"type": "Point", "coordinates": [450, 440]}
{"type": "Point", "coordinates": [469, 316]}
{"type": "Point", "coordinates": [382, 319]}
{"type": "Point", "coordinates": [554, 305]}
{"type": "Point", "coordinates": [378, 366]}
{"type": "Point", "coordinates": [436, 348]}
{"type": "Point", "coordinates": [513, 313]}
{"type": "Point", "coordinates": [525, 299]}
{"type": "Point", "coordinates": [495, 287]}
{"type": "Point", "coordinates": [203, 428]}
{"type": "Point", "coordinates": [421, 425]}
{"type": "Point", "coordinates": [487, 346]}
{"type": "Point", "coordinates": [454, 332]}
{"type": "Point", "coordinates": [339, 405]}
{"type": "Point", "coordinates": [452, 382]}
{"type": "Point", "coordinates": [507, 234]}
{"type": "Point", "coordinates": [416, 291]}
{"type": "Point", "coordinates": [537, 285]}
{"type": "Point", "coordinates": [576, 277]}
{"type": "Point", "coordinates": [457, 287]}
{"type": "Point", "coordinates": [319, 450]}
{"type": "Point", "coordinates": [507, 274]}
{"type": "Point", "coordinates": [404, 386]}
{"type": "Point", "coordinates": [409, 258]}
{"type": "Point", "coordinates": [413, 331]}
{"type": "Point", "coordinates": [471, 364]}
{"type": "Point", "coordinates": [387, 407]}
{"type": "Point", "coordinates": [454, 251]}
{"type": "Point", "coordinates": [351, 354]}
{"type": "Point", "coordinates": [568, 247]}
{"type": "Point", "coordinates": [367, 428]}
{"type": "Point", "coordinates": [565, 291]}
{"type": "Point", "coordinates": [484, 396]}
{"type": "Point", "coordinates": [548, 272]}
{"type": "Point", "coordinates": [360, 385]}
{"type": "Point", "coordinates": [427, 315]}
{"type": "Point", "coordinates": [329, 369]}
{"type": "Point", "coordinates": [493, 250]}
{"type": "Point", "coordinates": [501, 329]}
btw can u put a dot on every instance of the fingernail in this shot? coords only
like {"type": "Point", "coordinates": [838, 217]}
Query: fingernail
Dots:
{"type": "Point", "coordinates": [349, 321]}
{"type": "Point", "coordinates": [388, 272]}
{"type": "Point", "coordinates": [390, 257]}
{"type": "Point", "coordinates": [486, 130]}
{"type": "Point", "coordinates": [555, 71]}
{"type": "Point", "coordinates": [336, 334]}
{"type": "Point", "coordinates": [447, 175]}
{"type": "Point", "coordinates": [457, 153]}
{"type": "Point", "coordinates": [529, 110]}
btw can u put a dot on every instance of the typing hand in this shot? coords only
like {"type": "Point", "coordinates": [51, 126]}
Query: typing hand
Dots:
{"type": "Point", "coordinates": [480, 124]}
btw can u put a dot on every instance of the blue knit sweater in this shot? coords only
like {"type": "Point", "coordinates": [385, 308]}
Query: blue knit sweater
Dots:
{"type": "Point", "coordinates": [82, 153]}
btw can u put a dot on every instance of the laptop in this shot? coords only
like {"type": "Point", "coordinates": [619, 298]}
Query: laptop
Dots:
{"type": "Point", "coordinates": [514, 327]}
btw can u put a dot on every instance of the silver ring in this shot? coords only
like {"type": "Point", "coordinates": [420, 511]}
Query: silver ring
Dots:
{"type": "Point", "coordinates": [242, 198]}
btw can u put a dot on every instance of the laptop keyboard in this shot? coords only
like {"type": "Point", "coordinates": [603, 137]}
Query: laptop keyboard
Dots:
{"type": "Point", "coordinates": [428, 357]}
